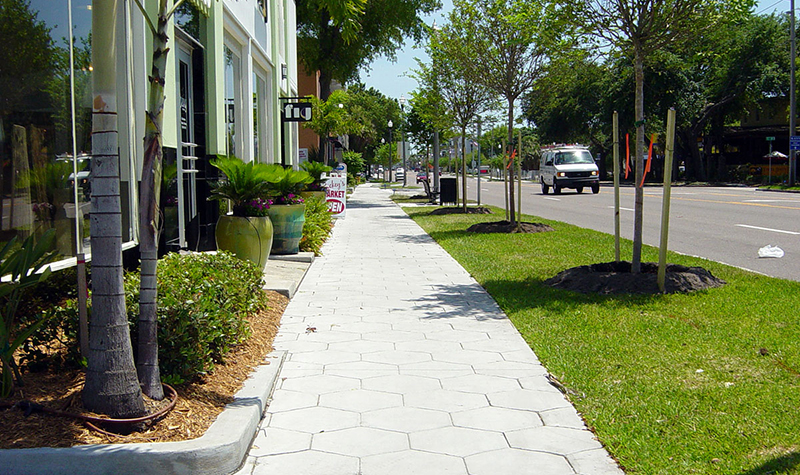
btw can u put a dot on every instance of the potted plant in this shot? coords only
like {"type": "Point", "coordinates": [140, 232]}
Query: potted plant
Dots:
{"type": "Point", "coordinates": [247, 232]}
{"type": "Point", "coordinates": [288, 211]}
{"type": "Point", "coordinates": [316, 187]}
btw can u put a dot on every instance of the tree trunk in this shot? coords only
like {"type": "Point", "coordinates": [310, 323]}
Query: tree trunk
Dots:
{"type": "Point", "coordinates": [111, 385]}
{"type": "Point", "coordinates": [636, 260]}
{"type": "Point", "coordinates": [464, 169]}
{"type": "Point", "coordinates": [694, 163]}
{"type": "Point", "coordinates": [511, 207]}
{"type": "Point", "coordinates": [150, 193]}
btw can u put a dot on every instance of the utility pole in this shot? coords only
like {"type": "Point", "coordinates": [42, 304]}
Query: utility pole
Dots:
{"type": "Point", "coordinates": [792, 105]}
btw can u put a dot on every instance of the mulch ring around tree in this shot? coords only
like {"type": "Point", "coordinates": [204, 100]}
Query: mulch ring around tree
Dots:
{"type": "Point", "coordinates": [616, 278]}
{"type": "Point", "coordinates": [460, 210]}
{"type": "Point", "coordinates": [508, 227]}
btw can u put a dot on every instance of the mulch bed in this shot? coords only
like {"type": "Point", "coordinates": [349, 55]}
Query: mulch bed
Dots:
{"type": "Point", "coordinates": [459, 210]}
{"type": "Point", "coordinates": [616, 278]}
{"type": "Point", "coordinates": [509, 227]}
{"type": "Point", "coordinates": [199, 402]}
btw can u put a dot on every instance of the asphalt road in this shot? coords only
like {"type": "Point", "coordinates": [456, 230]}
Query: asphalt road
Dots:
{"type": "Point", "coordinates": [727, 225]}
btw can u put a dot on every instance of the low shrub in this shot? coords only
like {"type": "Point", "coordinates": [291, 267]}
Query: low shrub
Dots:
{"type": "Point", "coordinates": [318, 226]}
{"type": "Point", "coordinates": [203, 302]}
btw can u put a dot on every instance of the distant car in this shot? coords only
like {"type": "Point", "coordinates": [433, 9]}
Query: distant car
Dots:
{"type": "Point", "coordinates": [484, 171]}
{"type": "Point", "coordinates": [422, 176]}
{"type": "Point", "coordinates": [399, 174]}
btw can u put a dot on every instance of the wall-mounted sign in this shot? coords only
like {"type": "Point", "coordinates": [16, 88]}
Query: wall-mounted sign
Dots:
{"type": "Point", "coordinates": [297, 112]}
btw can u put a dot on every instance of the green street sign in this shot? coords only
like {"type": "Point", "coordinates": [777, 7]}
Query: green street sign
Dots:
{"type": "Point", "coordinates": [770, 139]}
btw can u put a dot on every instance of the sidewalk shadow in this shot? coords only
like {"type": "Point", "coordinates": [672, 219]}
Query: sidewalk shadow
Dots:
{"type": "Point", "coordinates": [458, 301]}
{"type": "Point", "coordinates": [358, 204]}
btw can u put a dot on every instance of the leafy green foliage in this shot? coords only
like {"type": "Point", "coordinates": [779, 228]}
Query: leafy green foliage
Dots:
{"type": "Point", "coordinates": [338, 37]}
{"type": "Point", "coordinates": [316, 170]}
{"type": "Point", "coordinates": [243, 182]}
{"type": "Point", "coordinates": [286, 183]}
{"type": "Point", "coordinates": [318, 225]}
{"type": "Point", "coordinates": [25, 267]}
{"type": "Point", "coordinates": [203, 300]}
{"type": "Point", "coordinates": [632, 361]}
{"type": "Point", "coordinates": [55, 344]}
{"type": "Point", "coordinates": [354, 161]}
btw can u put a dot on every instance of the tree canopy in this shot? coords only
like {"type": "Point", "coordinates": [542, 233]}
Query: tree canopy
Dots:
{"type": "Point", "coordinates": [338, 37]}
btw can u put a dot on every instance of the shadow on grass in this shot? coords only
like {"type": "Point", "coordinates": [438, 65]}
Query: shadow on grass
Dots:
{"type": "Point", "coordinates": [535, 294]}
{"type": "Point", "coordinates": [783, 464]}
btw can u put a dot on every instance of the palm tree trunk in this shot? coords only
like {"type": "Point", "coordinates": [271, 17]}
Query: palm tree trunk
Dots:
{"type": "Point", "coordinates": [636, 260]}
{"type": "Point", "coordinates": [147, 364]}
{"type": "Point", "coordinates": [111, 384]}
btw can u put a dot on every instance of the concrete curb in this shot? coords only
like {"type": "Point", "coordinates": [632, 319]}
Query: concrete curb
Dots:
{"type": "Point", "coordinates": [221, 450]}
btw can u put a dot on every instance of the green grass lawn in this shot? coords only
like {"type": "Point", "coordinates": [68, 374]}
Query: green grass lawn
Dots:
{"type": "Point", "coordinates": [671, 384]}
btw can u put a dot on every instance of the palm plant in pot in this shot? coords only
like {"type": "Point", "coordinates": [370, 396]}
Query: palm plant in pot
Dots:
{"type": "Point", "coordinates": [316, 187]}
{"type": "Point", "coordinates": [288, 210]}
{"type": "Point", "coordinates": [247, 232]}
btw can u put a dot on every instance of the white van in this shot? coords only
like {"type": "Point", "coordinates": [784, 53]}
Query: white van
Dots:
{"type": "Point", "coordinates": [568, 166]}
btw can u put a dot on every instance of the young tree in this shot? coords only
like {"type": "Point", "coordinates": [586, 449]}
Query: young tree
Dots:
{"type": "Point", "coordinates": [452, 52]}
{"type": "Point", "coordinates": [111, 384]}
{"type": "Point", "coordinates": [338, 37]}
{"type": "Point", "coordinates": [643, 27]}
{"type": "Point", "coordinates": [510, 48]}
{"type": "Point", "coordinates": [333, 116]}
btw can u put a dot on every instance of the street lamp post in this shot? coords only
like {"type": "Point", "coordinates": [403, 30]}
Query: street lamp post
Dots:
{"type": "Point", "coordinates": [391, 137]}
{"type": "Point", "coordinates": [403, 134]}
{"type": "Point", "coordinates": [383, 142]}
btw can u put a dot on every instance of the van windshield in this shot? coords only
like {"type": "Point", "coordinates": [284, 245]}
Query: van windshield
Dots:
{"type": "Point", "coordinates": [573, 156]}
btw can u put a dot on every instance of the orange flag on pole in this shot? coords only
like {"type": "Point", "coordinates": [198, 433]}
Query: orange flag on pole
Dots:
{"type": "Point", "coordinates": [627, 155]}
{"type": "Point", "coordinates": [649, 159]}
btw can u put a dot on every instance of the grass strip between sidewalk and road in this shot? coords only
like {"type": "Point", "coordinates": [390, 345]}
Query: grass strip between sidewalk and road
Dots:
{"type": "Point", "coordinates": [707, 382]}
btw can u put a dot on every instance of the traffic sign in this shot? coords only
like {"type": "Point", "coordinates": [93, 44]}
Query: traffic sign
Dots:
{"type": "Point", "coordinates": [794, 142]}
{"type": "Point", "coordinates": [770, 139]}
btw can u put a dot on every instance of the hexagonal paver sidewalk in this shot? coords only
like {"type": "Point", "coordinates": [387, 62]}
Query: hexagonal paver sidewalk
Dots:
{"type": "Point", "coordinates": [399, 362]}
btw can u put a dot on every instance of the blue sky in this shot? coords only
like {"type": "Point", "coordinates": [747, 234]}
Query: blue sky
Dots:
{"type": "Point", "coordinates": [392, 78]}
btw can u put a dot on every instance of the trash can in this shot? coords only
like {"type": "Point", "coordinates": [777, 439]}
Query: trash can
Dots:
{"type": "Point", "coordinates": [448, 191]}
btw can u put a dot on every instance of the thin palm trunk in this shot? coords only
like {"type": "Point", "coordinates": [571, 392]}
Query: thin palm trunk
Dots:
{"type": "Point", "coordinates": [147, 364]}
{"type": "Point", "coordinates": [111, 385]}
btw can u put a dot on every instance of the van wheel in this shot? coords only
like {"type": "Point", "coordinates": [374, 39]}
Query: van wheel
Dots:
{"type": "Point", "coordinates": [596, 188]}
{"type": "Point", "coordinates": [579, 189]}
{"type": "Point", "coordinates": [556, 188]}
{"type": "Point", "coordinates": [545, 188]}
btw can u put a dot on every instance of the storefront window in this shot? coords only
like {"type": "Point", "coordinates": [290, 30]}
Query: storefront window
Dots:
{"type": "Point", "coordinates": [37, 170]}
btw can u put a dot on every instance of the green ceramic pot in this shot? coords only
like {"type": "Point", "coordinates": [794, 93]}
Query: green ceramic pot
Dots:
{"type": "Point", "coordinates": [288, 221]}
{"type": "Point", "coordinates": [248, 238]}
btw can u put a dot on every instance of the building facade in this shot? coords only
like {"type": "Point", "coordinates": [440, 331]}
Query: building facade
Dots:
{"type": "Point", "coordinates": [230, 64]}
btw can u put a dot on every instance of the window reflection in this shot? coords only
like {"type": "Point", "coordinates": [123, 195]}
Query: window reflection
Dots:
{"type": "Point", "coordinates": [36, 163]}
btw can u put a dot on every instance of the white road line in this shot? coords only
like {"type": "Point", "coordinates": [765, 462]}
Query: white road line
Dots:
{"type": "Point", "coordinates": [767, 229]}
{"type": "Point", "coordinates": [552, 199]}
{"type": "Point", "coordinates": [623, 209]}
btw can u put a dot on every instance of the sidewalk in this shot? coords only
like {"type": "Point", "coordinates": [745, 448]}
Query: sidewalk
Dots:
{"type": "Point", "coordinates": [400, 363]}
